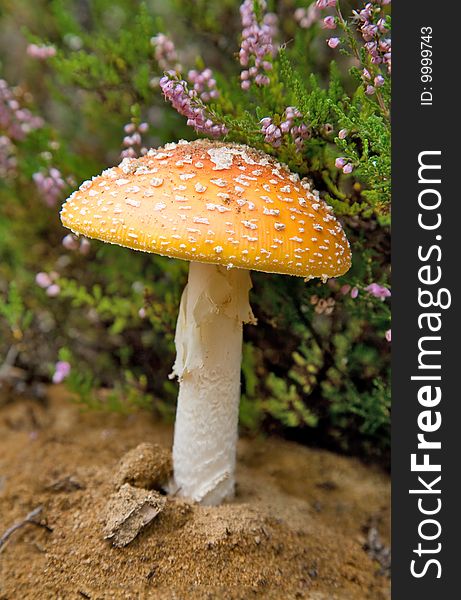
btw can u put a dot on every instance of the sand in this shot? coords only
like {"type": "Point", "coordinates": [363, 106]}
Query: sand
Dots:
{"type": "Point", "coordinates": [305, 523]}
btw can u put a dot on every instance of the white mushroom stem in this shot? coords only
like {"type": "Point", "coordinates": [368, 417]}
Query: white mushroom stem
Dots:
{"type": "Point", "coordinates": [214, 306]}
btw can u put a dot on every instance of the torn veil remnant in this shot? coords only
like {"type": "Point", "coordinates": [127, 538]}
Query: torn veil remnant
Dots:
{"type": "Point", "coordinates": [228, 209]}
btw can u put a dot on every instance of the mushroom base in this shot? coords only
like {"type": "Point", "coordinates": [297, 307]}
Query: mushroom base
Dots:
{"type": "Point", "coordinates": [214, 306]}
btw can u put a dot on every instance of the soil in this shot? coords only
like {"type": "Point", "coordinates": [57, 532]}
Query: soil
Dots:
{"type": "Point", "coordinates": [299, 527]}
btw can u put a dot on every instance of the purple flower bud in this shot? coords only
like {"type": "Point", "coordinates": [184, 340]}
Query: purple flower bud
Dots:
{"type": "Point", "coordinates": [285, 126]}
{"type": "Point", "coordinates": [379, 81]}
{"type": "Point", "coordinates": [348, 168]}
{"type": "Point", "coordinates": [329, 23]}
{"type": "Point", "coordinates": [354, 293]}
{"type": "Point", "coordinates": [70, 242]}
{"type": "Point", "coordinates": [165, 52]}
{"type": "Point", "coordinates": [371, 47]}
{"type": "Point", "coordinates": [262, 80]}
{"type": "Point", "coordinates": [340, 162]}
{"type": "Point", "coordinates": [189, 104]}
{"type": "Point", "coordinates": [370, 90]}
{"type": "Point", "coordinates": [257, 47]}
{"type": "Point", "coordinates": [345, 289]}
{"type": "Point", "coordinates": [388, 335]}
{"type": "Point", "coordinates": [369, 31]}
{"type": "Point", "coordinates": [43, 280]}
{"type": "Point", "coordinates": [40, 52]}
{"type": "Point", "coordinates": [333, 42]}
{"type": "Point", "coordinates": [378, 291]}
{"type": "Point", "coordinates": [382, 25]}
{"type": "Point", "coordinates": [53, 290]}
{"type": "Point", "coordinates": [61, 371]}
{"type": "Point", "coordinates": [85, 246]}
{"type": "Point", "coordinates": [342, 134]}
{"type": "Point", "coordinates": [128, 153]}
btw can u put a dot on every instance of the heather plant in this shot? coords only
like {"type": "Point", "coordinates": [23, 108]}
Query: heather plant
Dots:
{"type": "Point", "coordinates": [309, 83]}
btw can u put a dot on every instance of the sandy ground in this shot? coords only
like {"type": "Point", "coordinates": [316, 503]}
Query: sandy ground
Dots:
{"type": "Point", "coordinates": [298, 527]}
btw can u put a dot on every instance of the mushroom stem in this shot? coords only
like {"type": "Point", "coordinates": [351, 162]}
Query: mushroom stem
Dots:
{"type": "Point", "coordinates": [214, 306]}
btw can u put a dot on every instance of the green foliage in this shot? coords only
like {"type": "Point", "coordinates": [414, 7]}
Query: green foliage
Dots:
{"type": "Point", "coordinates": [15, 314]}
{"type": "Point", "coordinates": [285, 404]}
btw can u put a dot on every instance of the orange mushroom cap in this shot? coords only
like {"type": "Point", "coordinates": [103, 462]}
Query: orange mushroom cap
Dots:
{"type": "Point", "coordinates": [212, 202]}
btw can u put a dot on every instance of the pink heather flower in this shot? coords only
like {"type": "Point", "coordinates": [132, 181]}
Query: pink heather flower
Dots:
{"type": "Point", "coordinates": [369, 31]}
{"type": "Point", "coordinates": [340, 162]}
{"type": "Point", "coordinates": [49, 185]}
{"type": "Point", "coordinates": [257, 47]}
{"type": "Point", "coordinates": [70, 242]}
{"type": "Point", "coordinates": [142, 313]}
{"type": "Point", "coordinates": [354, 292]}
{"type": "Point", "coordinates": [203, 84]}
{"type": "Point", "coordinates": [321, 4]}
{"type": "Point", "coordinates": [370, 90]}
{"type": "Point", "coordinates": [329, 23]}
{"type": "Point", "coordinates": [345, 289]}
{"type": "Point", "coordinates": [379, 81]}
{"type": "Point", "coordinates": [133, 142]}
{"type": "Point", "coordinates": [61, 371]}
{"type": "Point", "coordinates": [85, 246]}
{"type": "Point", "coordinates": [8, 161]}
{"type": "Point", "coordinates": [333, 42]}
{"type": "Point", "coordinates": [342, 134]}
{"type": "Point", "coordinates": [300, 133]}
{"type": "Point", "coordinates": [378, 291]}
{"type": "Point", "coordinates": [306, 17]}
{"type": "Point", "coordinates": [43, 280]}
{"type": "Point", "coordinates": [388, 335]}
{"type": "Point", "coordinates": [186, 103]}
{"type": "Point", "coordinates": [272, 133]}
{"type": "Point", "coordinates": [165, 52]}
{"type": "Point", "coordinates": [348, 168]}
{"type": "Point", "coordinates": [53, 290]}
{"type": "Point", "coordinates": [15, 122]}
{"type": "Point", "coordinates": [40, 52]}
{"type": "Point", "coordinates": [382, 25]}
{"type": "Point", "coordinates": [291, 112]}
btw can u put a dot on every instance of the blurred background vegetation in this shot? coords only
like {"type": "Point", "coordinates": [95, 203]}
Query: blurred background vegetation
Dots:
{"type": "Point", "coordinates": [80, 86]}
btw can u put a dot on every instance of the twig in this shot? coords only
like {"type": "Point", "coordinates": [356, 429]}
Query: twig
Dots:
{"type": "Point", "coordinates": [29, 520]}
{"type": "Point", "coordinates": [9, 361]}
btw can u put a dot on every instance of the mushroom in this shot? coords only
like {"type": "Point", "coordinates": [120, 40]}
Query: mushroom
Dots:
{"type": "Point", "coordinates": [226, 208]}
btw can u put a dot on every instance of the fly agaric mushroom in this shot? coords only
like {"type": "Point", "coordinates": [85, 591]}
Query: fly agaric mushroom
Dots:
{"type": "Point", "coordinates": [227, 209]}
